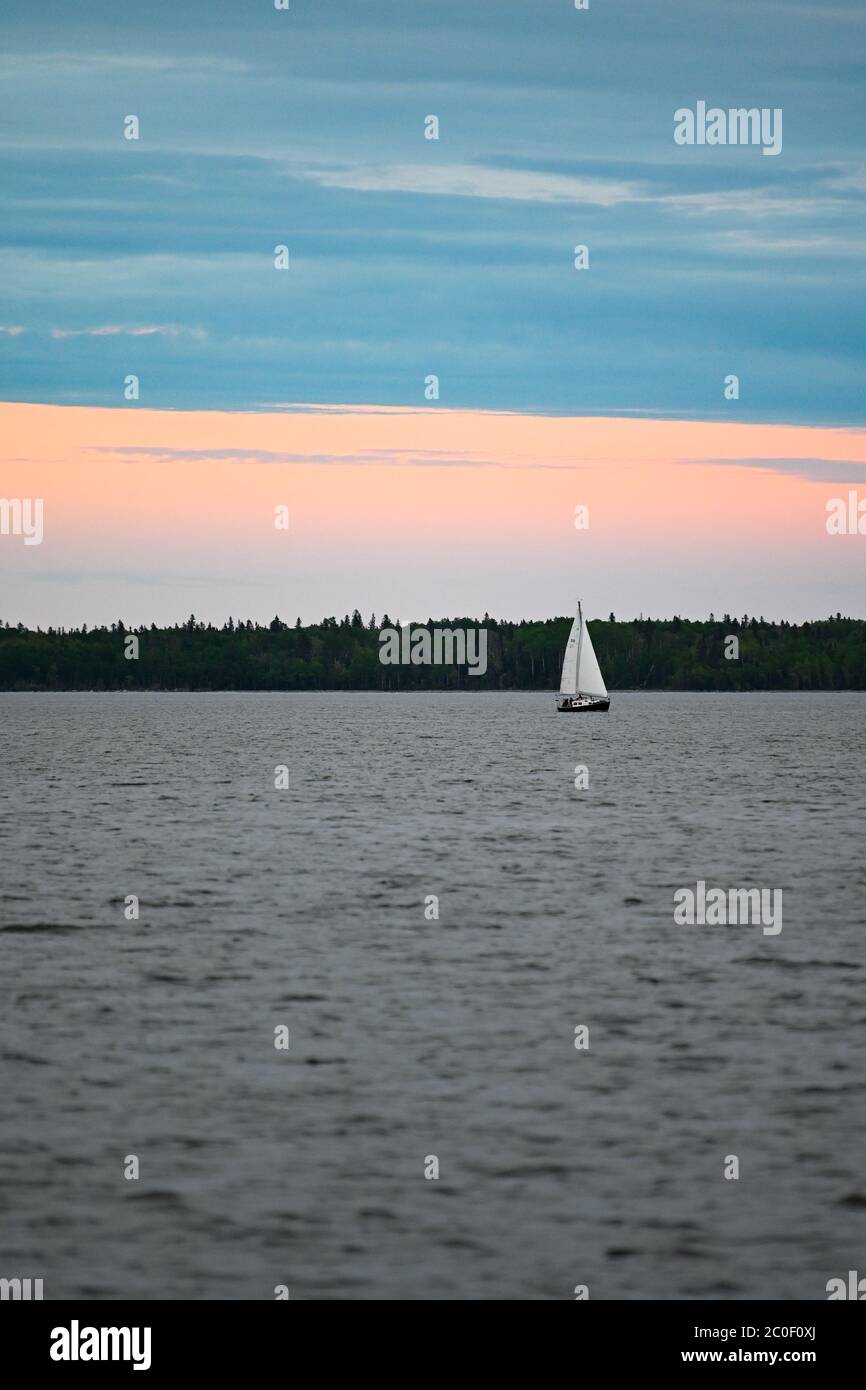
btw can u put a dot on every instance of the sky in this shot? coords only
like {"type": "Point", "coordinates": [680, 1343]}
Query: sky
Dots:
{"type": "Point", "coordinates": [409, 258]}
{"type": "Point", "coordinates": [153, 515]}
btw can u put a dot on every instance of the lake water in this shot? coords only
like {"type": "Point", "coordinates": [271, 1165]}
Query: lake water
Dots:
{"type": "Point", "coordinates": [412, 1037]}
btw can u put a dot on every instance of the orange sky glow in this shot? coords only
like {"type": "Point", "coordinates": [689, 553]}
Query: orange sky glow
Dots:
{"type": "Point", "coordinates": [152, 514]}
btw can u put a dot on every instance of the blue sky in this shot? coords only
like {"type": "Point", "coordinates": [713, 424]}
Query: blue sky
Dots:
{"type": "Point", "coordinates": [454, 256]}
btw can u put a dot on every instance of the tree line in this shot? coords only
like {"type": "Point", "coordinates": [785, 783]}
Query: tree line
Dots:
{"type": "Point", "coordinates": [642, 653]}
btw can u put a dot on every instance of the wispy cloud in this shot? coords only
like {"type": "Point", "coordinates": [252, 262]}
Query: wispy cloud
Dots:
{"type": "Point", "coordinates": [114, 330]}
{"type": "Point", "coordinates": [13, 331]}
{"type": "Point", "coordinates": [759, 243]}
{"type": "Point", "coordinates": [475, 181]}
{"type": "Point", "coordinates": [324, 408]}
{"type": "Point", "coordinates": [363, 458]}
{"type": "Point", "coordinates": [548, 186]}
{"type": "Point", "coordinates": [816, 469]}
{"type": "Point", "coordinates": [851, 177]}
{"type": "Point", "coordinates": [13, 66]}
{"type": "Point", "coordinates": [747, 202]}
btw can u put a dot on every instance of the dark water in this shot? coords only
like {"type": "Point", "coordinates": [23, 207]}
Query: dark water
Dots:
{"type": "Point", "coordinates": [413, 1037]}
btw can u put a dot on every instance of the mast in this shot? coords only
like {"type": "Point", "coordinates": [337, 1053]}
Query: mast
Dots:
{"type": "Point", "coordinates": [579, 645]}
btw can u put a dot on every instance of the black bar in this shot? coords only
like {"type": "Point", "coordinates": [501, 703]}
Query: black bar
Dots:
{"type": "Point", "coordinates": [250, 1338]}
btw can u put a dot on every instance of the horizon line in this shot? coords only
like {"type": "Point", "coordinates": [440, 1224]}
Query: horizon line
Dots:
{"type": "Point", "coordinates": [366, 625]}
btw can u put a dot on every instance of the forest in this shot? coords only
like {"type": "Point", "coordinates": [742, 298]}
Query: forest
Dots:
{"type": "Point", "coordinates": [640, 653]}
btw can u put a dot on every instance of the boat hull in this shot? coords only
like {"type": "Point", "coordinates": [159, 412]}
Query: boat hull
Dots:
{"type": "Point", "coordinates": [582, 706]}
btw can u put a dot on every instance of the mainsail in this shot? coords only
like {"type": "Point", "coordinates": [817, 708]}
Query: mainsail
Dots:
{"type": "Point", "coordinates": [580, 670]}
{"type": "Point", "coordinates": [568, 684]}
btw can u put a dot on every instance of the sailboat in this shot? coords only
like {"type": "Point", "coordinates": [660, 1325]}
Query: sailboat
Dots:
{"type": "Point", "coordinates": [582, 686]}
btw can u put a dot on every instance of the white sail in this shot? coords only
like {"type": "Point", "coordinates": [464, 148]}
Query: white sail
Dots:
{"type": "Point", "coordinates": [568, 684]}
{"type": "Point", "coordinates": [589, 677]}
{"type": "Point", "coordinates": [581, 674]}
